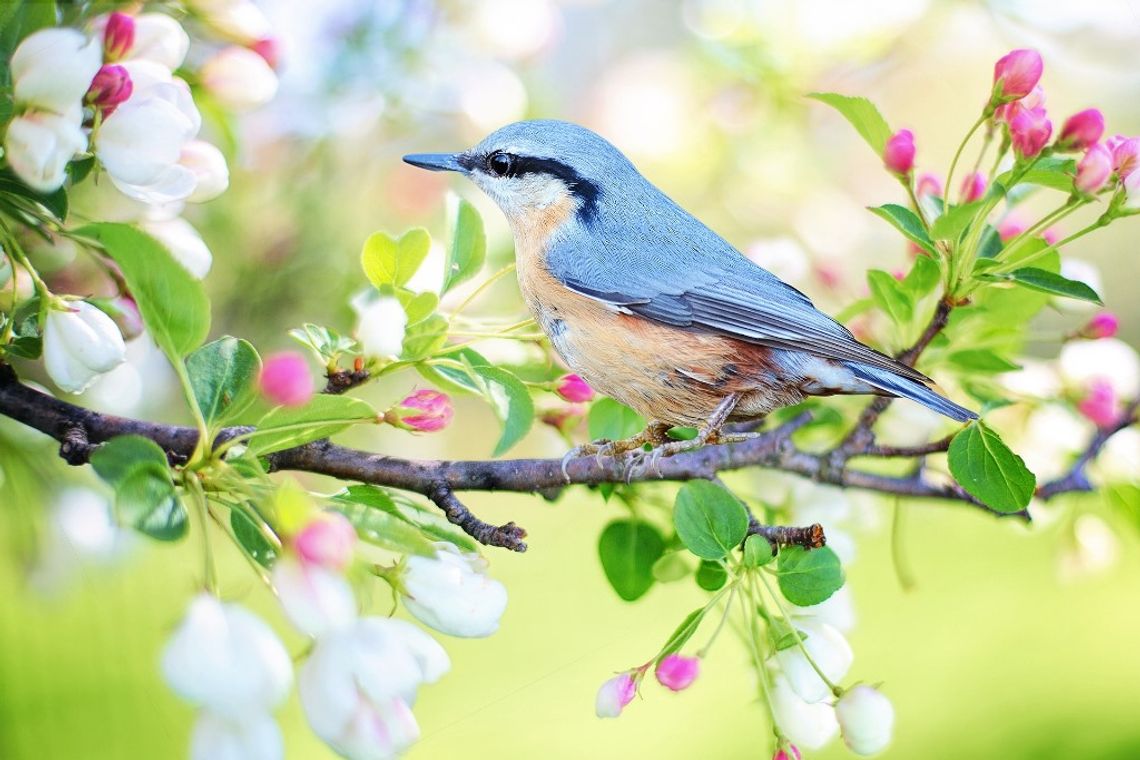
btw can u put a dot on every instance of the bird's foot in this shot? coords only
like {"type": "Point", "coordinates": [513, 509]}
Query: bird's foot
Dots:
{"type": "Point", "coordinates": [653, 435]}
{"type": "Point", "coordinates": [641, 462]}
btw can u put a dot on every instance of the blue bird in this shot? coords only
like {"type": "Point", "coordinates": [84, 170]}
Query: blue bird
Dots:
{"type": "Point", "coordinates": [652, 307]}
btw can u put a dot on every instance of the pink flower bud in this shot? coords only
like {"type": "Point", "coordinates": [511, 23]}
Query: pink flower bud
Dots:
{"type": "Point", "coordinates": [111, 87]}
{"type": "Point", "coordinates": [327, 541]}
{"type": "Point", "coordinates": [1016, 74]}
{"type": "Point", "coordinates": [898, 155]}
{"type": "Point", "coordinates": [285, 379]}
{"type": "Point", "coordinates": [1035, 99]}
{"type": "Point", "coordinates": [574, 389]}
{"type": "Point", "coordinates": [431, 411]}
{"type": "Point", "coordinates": [1094, 169]}
{"type": "Point", "coordinates": [676, 672]}
{"type": "Point", "coordinates": [1029, 131]}
{"type": "Point", "coordinates": [614, 695]}
{"type": "Point", "coordinates": [1051, 235]}
{"type": "Point", "coordinates": [1103, 325]}
{"type": "Point", "coordinates": [1081, 130]}
{"type": "Point", "coordinates": [118, 35]}
{"type": "Point", "coordinates": [566, 417]}
{"type": "Point", "coordinates": [973, 187]}
{"type": "Point", "coordinates": [1100, 403]}
{"type": "Point", "coordinates": [791, 753]}
{"type": "Point", "coordinates": [1010, 227]}
{"type": "Point", "coordinates": [269, 49]}
{"type": "Point", "coordinates": [928, 184]}
{"type": "Point", "coordinates": [1125, 154]}
{"type": "Point", "coordinates": [124, 312]}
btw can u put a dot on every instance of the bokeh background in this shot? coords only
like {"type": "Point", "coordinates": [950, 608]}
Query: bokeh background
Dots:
{"type": "Point", "coordinates": [1011, 642]}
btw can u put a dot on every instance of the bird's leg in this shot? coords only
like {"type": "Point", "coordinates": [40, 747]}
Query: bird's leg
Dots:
{"type": "Point", "coordinates": [708, 433]}
{"type": "Point", "coordinates": [654, 435]}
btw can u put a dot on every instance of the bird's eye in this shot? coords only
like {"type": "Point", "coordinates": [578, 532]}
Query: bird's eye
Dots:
{"type": "Point", "coordinates": [500, 164]}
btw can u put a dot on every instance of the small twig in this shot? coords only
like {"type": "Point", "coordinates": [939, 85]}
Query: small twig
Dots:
{"type": "Point", "coordinates": [509, 536]}
{"type": "Point", "coordinates": [921, 450]}
{"type": "Point", "coordinates": [1076, 479]}
{"type": "Point", "coordinates": [343, 380]}
{"type": "Point", "coordinates": [74, 447]}
{"type": "Point", "coordinates": [811, 537]}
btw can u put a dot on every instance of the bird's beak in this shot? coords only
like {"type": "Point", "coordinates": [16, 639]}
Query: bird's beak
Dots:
{"type": "Point", "coordinates": [436, 162]}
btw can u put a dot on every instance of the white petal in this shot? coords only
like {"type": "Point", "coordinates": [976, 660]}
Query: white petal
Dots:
{"type": "Point", "coordinates": [159, 39]}
{"type": "Point", "coordinates": [381, 326]}
{"type": "Point", "coordinates": [52, 68]}
{"type": "Point", "coordinates": [315, 600]}
{"type": "Point", "coordinates": [447, 594]}
{"type": "Point", "coordinates": [39, 146]}
{"type": "Point", "coordinates": [810, 726]}
{"type": "Point", "coordinates": [831, 653]}
{"type": "Point", "coordinates": [253, 738]}
{"type": "Point", "coordinates": [209, 167]}
{"type": "Point", "coordinates": [239, 78]}
{"type": "Point", "coordinates": [866, 718]}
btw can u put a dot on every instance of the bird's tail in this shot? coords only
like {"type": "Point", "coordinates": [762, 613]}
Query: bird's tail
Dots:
{"type": "Point", "coordinates": [895, 385]}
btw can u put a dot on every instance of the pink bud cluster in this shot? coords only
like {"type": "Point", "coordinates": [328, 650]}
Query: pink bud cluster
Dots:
{"type": "Point", "coordinates": [1100, 404]}
{"type": "Point", "coordinates": [674, 671]}
{"type": "Point", "coordinates": [425, 411]}
{"type": "Point", "coordinates": [285, 379]}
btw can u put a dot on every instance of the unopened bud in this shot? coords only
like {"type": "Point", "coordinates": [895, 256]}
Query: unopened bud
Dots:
{"type": "Point", "coordinates": [1093, 170]}
{"type": "Point", "coordinates": [574, 389]}
{"type": "Point", "coordinates": [676, 672]}
{"type": "Point", "coordinates": [110, 88]}
{"type": "Point", "coordinates": [1029, 131]}
{"type": "Point", "coordinates": [614, 695]}
{"type": "Point", "coordinates": [898, 154]}
{"type": "Point", "coordinates": [973, 187]}
{"type": "Point", "coordinates": [118, 35]}
{"type": "Point", "coordinates": [425, 411]}
{"type": "Point", "coordinates": [1103, 325]}
{"type": "Point", "coordinates": [285, 379]}
{"type": "Point", "coordinates": [1081, 130]}
{"type": "Point", "coordinates": [1016, 74]}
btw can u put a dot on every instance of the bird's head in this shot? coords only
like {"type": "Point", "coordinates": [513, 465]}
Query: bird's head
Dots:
{"type": "Point", "coordinates": [531, 168]}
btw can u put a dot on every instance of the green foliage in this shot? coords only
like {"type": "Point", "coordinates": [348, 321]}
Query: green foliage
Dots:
{"type": "Point", "coordinates": [468, 247]}
{"type": "Point", "coordinates": [954, 222]}
{"type": "Point", "coordinates": [808, 577]}
{"type": "Point", "coordinates": [991, 473]}
{"type": "Point", "coordinates": [907, 222]}
{"type": "Point", "coordinates": [758, 551]}
{"type": "Point", "coordinates": [923, 277]}
{"type": "Point", "coordinates": [711, 575]}
{"type": "Point", "coordinates": [222, 375]}
{"type": "Point", "coordinates": [862, 114]}
{"type": "Point", "coordinates": [1053, 172]}
{"type": "Point", "coordinates": [327, 344]}
{"type": "Point", "coordinates": [511, 402]}
{"type": "Point", "coordinates": [890, 296]}
{"type": "Point", "coordinates": [683, 632]}
{"type": "Point", "coordinates": [285, 427]}
{"type": "Point", "coordinates": [1045, 281]}
{"type": "Point", "coordinates": [390, 262]}
{"type": "Point", "coordinates": [144, 493]}
{"type": "Point", "coordinates": [172, 303]}
{"type": "Point", "coordinates": [612, 420]}
{"type": "Point", "coordinates": [14, 193]}
{"type": "Point", "coordinates": [628, 550]}
{"type": "Point", "coordinates": [424, 338]}
{"type": "Point", "coordinates": [426, 519]}
{"type": "Point", "coordinates": [710, 521]}
{"type": "Point", "coordinates": [251, 539]}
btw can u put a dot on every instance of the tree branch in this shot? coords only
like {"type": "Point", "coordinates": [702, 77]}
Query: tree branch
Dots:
{"type": "Point", "coordinates": [1076, 478]}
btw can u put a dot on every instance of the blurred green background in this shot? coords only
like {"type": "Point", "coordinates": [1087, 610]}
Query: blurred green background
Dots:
{"type": "Point", "coordinates": [1015, 642]}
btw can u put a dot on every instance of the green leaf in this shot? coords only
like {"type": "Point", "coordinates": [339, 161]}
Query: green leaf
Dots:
{"type": "Point", "coordinates": [55, 202]}
{"type": "Point", "coordinates": [954, 222]}
{"type": "Point", "coordinates": [144, 494]}
{"type": "Point", "coordinates": [890, 296]}
{"type": "Point", "coordinates": [808, 577]}
{"type": "Point", "coordinates": [386, 530]}
{"type": "Point", "coordinates": [423, 338]}
{"type": "Point", "coordinates": [711, 575]}
{"type": "Point", "coordinates": [391, 262]}
{"type": "Point", "coordinates": [222, 374]}
{"type": "Point", "coordinates": [862, 114]}
{"type": "Point", "coordinates": [628, 549]}
{"type": "Point", "coordinates": [325, 343]}
{"type": "Point", "coordinates": [905, 221]}
{"type": "Point", "coordinates": [418, 306]}
{"type": "Point", "coordinates": [511, 402]}
{"type": "Point", "coordinates": [252, 541]}
{"type": "Point", "coordinates": [173, 304]}
{"type": "Point", "coordinates": [758, 551]}
{"type": "Point", "coordinates": [1051, 171]}
{"type": "Point", "coordinates": [453, 374]}
{"type": "Point", "coordinates": [991, 473]}
{"type": "Point", "coordinates": [683, 632]}
{"type": "Point", "coordinates": [710, 521]}
{"type": "Point", "coordinates": [1054, 284]}
{"type": "Point", "coordinates": [982, 360]}
{"type": "Point", "coordinates": [285, 427]}
{"type": "Point", "coordinates": [672, 566]}
{"type": "Point", "coordinates": [613, 420]}
{"type": "Point", "coordinates": [468, 246]}
{"type": "Point", "coordinates": [923, 277]}
{"type": "Point", "coordinates": [427, 520]}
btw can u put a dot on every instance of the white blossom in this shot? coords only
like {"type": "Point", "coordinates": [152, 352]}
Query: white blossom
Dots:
{"type": "Point", "coordinates": [830, 652]}
{"type": "Point", "coordinates": [1110, 359]}
{"type": "Point", "coordinates": [866, 719]}
{"type": "Point", "coordinates": [183, 242]}
{"type": "Point", "coordinates": [239, 78]}
{"type": "Point", "coordinates": [141, 143]}
{"type": "Point", "coordinates": [39, 145]}
{"type": "Point", "coordinates": [809, 726]}
{"type": "Point", "coordinates": [52, 69]}
{"type": "Point", "coordinates": [254, 737]}
{"type": "Point", "coordinates": [159, 39]}
{"type": "Point", "coordinates": [359, 682]}
{"type": "Point", "coordinates": [227, 660]}
{"type": "Point", "coordinates": [80, 343]}
{"type": "Point", "coordinates": [453, 594]}
{"type": "Point", "coordinates": [209, 167]}
{"type": "Point", "coordinates": [380, 326]}
{"type": "Point", "coordinates": [316, 600]}
{"type": "Point", "coordinates": [838, 610]}
{"type": "Point", "coordinates": [240, 20]}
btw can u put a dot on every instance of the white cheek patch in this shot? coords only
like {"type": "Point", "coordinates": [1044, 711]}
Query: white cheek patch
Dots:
{"type": "Point", "coordinates": [517, 195]}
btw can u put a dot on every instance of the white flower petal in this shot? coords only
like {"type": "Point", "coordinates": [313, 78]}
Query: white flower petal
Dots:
{"type": "Point", "coordinates": [254, 737]}
{"type": "Point", "coordinates": [39, 145]}
{"type": "Point", "coordinates": [52, 68]}
{"type": "Point", "coordinates": [450, 594]}
{"type": "Point", "coordinates": [316, 601]}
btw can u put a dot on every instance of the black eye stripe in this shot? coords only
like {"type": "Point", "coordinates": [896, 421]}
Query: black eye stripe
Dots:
{"type": "Point", "coordinates": [583, 189]}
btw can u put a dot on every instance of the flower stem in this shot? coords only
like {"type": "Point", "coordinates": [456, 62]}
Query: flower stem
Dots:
{"type": "Point", "coordinates": [193, 486]}
{"type": "Point", "coordinates": [958, 153]}
{"type": "Point", "coordinates": [723, 618]}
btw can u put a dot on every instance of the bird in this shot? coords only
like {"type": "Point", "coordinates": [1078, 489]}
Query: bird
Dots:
{"type": "Point", "coordinates": [655, 309]}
